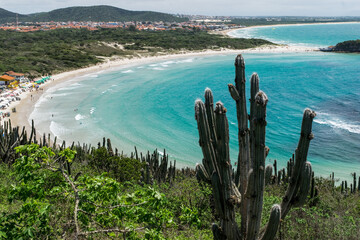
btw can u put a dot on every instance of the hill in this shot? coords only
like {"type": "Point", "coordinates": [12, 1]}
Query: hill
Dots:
{"type": "Point", "coordinates": [93, 13]}
{"type": "Point", "coordinates": [348, 46]}
{"type": "Point", "coordinates": [7, 16]}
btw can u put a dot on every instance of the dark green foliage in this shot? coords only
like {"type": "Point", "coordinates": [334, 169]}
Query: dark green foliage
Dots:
{"type": "Point", "coordinates": [348, 46]}
{"type": "Point", "coordinates": [7, 16]}
{"type": "Point", "coordinates": [93, 13]}
{"type": "Point", "coordinates": [186, 206]}
{"type": "Point", "coordinates": [119, 167]}
{"type": "Point", "coordinates": [38, 53]}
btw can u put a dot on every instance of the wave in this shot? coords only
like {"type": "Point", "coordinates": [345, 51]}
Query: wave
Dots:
{"type": "Point", "coordinates": [158, 68]}
{"type": "Point", "coordinates": [127, 71]}
{"type": "Point", "coordinates": [71, 87]}
{"type": "Point", "coordinates": [41, 100]}
{"type": "Point", "coordinates": [57, 129]}
{"type": "Point", "coordinates": [60, 94]}
{"type": "Point", "coordinates": [92, 110]}
{"type": "Point", "coordinates": [336, 122]}
{"type": "Point", "coordinates": [232, 123]}
{"type": "Point", "coordinates": [189, 60]}
{"type": "Point", "coordinates": [79, 117]}
{"type": "Point", "coordinates": [167, 62]}
{"type": "Point", "coordinates": [107, 90]}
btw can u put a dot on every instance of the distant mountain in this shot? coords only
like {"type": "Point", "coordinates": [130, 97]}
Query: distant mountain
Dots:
{"type": "Point", "coordinates": [94, 13]}
{"type": "Point", "coordinates": [7, 16]}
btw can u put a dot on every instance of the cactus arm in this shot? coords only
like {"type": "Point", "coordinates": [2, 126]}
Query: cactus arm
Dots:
{"type": "Point", "coordinates": [209, 106]}
{"type": "Point", "coordinates": [268, 174]}
{"type": "Point", "coordinates": [243, 165]}
{"type": "Point", "coordinates": [229, 198]}
{"type": "Point", "coordinates": [202, 174]}
{"type": "Point", "coordinates": [256, 202]}
{"type": "Point", "coordinates": [305, 181]}
{"type": "Point", "coordinates": [254, 89]}
{"type": "Point", "coordinates": [300, 159]}
{"type": "Point", "coordinates": [205, 141]}
{"type": "Point", "coordinates": [273, 224]}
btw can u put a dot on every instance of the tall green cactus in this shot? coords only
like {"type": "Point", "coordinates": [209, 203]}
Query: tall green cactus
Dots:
{"type": "Point", "coordinates": [246, 186]}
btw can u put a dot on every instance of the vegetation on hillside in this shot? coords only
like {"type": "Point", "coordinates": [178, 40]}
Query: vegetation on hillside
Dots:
{"type": "Point", "coordinates": [38, 53]}
{"type": "Point", "coordinates": [100, 13]}
{"type": "Point", "coordinates": [39, 198]}
{"type": "Point", "coordinates": [348, 46]}
{"type": "Point", "coordinates": [7, 16]}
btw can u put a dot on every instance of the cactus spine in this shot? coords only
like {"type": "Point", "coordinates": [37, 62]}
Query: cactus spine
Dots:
{"type": "Point", "coordinates": [248, 185]}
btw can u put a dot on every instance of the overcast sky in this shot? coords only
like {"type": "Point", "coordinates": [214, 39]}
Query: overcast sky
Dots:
{"type": "Point", "coordinates": [203, 7]}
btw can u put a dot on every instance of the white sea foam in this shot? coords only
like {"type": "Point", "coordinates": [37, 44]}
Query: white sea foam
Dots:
{"type": "Point", "coordinates": [128, 71]}
{"type": "Point", "coordinates": [158, 68]}
{"type": "Point", "coordinates": [189, 60]}
{"type": "Point", "coordinates": [107, 90]}
{"type": "Point", "coordinates": [336, 122]}
{"type": "Point", "coordinates": [41, 100]}
{"type": "Point", "coordinates": [57, 129]}
{"type": "Point", "coordinates": [79, 117]}
{"type": "Point", "coordinates": [71, 87]}
{"type": "Point", "coordinates": [167, 62]}
{"type": "Point", "coordinates": [60, 94]}
{"type": "Point", "coordinates": [93, 76]}
{"type": "Point", "coordinates": [92, 110]}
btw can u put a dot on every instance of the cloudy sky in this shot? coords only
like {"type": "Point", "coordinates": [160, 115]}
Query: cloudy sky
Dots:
{"type": "Point", "coordinates": [205, 7]}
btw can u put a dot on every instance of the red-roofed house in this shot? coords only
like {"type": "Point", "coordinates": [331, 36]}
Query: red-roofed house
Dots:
{"type": "Point", "coordinates": [18, 76]}
{"type": "Point", "coordinates": [6, 79]}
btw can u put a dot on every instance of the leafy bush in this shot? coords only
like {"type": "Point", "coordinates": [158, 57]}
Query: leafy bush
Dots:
{"type": "Point", "coordinates": [119, 167]}
{"type": "Point", "coordinates": [50, 202]}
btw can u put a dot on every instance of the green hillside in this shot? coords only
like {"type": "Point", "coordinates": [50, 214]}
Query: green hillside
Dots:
{"type": "Point", "coordinates": [348, 46]}
{"type": "Point", "coordinates": [93, 13]}
{"type": "Point", "coordinates": [7, 16]}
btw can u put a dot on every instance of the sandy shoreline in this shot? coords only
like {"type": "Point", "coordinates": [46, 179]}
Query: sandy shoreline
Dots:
{"type": "Point", "coordinates": [25, 107]}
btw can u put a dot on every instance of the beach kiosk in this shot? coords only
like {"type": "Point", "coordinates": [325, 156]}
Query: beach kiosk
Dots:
{"type": "Point", "coordinates": [6, 80]}
{"type": "Point", "coordinates": [20, 77]}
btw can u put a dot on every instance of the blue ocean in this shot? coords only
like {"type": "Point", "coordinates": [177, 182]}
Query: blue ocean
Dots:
{"type": "Point", "coordinates": [151, 106]}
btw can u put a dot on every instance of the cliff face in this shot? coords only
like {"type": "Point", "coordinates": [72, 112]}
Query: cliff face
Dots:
{"type": "Point", "coordinates": [348, 46]}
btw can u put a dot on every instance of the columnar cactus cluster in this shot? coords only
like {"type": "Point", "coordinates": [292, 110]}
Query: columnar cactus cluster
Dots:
{"type": "Point", "coordinates": [245, 186]}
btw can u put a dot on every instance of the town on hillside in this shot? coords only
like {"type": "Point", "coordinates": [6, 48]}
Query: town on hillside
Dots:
{"type": "Point", "coordinates": [204, 24]}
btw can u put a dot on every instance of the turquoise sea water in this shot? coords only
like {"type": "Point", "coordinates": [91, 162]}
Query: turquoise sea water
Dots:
{"type": "Point", "coordinates": [152, 106]}
{"type": "Point", "coordinates": [312, 35]}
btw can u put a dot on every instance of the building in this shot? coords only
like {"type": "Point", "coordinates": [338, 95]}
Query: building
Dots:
{"type": "Point", "coordinates": [6, 79]}
{"type": "Point", "coordinates": [18, 76]}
